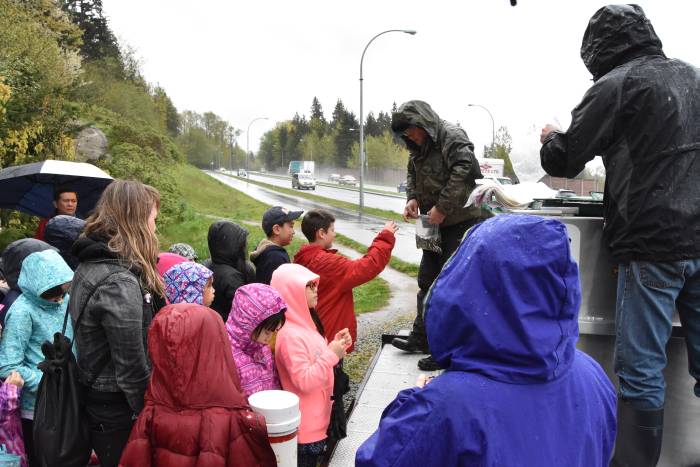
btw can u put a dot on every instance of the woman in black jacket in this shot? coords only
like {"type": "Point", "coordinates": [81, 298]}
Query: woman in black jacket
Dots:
{"type": "Point", "coordinates": [112, 306]}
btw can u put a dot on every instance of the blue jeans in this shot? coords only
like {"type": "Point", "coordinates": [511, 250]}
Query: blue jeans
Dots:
{"type": "Point", "coordinates": [647, 296]}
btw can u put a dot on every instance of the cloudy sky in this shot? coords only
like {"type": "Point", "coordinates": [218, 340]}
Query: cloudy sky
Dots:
{"type": "Point", "coordinates": [244, 60]}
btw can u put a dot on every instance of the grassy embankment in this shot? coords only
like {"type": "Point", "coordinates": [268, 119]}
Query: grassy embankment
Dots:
{"type": "Point", "coordinates": [209, 200]}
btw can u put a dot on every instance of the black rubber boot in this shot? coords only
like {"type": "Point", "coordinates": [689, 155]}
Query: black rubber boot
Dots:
{"type": "Point", "coordinates": [410, 344]}
{"type": "Point", "coordinates": [639, 434]}
{"type": "Point", "coordinates": [428, 364]}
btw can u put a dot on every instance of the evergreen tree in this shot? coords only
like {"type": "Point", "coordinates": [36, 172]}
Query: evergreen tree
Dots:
{"type": "Point", "coordinates": [384, 122]}
{"type": "Point", "coordinates": [372, 127]}
{"type": "Point", "coordinates": [98, 40]}
{"type": "Point", "coordinates": [501, 150]}
{"type": "Point", "coordinates": [344, 125]}
{"type": "Point", "coordinates": [317, 110]}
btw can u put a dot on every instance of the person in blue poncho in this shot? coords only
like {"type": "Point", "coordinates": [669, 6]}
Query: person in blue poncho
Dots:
{"type": "Point", "coordinates": [502, 318]}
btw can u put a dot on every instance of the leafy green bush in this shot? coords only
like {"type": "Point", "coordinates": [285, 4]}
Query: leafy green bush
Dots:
{"type": "Point", "coordinates": [129, 161]}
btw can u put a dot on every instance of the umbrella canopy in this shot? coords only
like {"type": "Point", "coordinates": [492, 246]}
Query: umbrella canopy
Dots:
{"type": "Point", "coordinates": [30, 188]}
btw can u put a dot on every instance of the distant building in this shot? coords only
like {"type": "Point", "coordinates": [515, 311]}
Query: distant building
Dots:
{"type": "Point", "coordinates": [582, 186]}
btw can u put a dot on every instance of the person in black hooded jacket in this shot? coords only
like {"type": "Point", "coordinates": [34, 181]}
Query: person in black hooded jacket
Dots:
{"type": "Point", "coordinates": [227, 246]}
{"type": "Point", "coordinates": [642, 115]}
{"type": "Point", "coordinates": [12, 258]}
{"type": "Point", "coordinates": [61, 232]}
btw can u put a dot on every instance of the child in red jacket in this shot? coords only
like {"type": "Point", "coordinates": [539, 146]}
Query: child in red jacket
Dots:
{"type": "Point", "coordinates": [339, 275]}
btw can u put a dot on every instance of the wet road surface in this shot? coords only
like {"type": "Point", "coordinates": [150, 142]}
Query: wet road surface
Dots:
{"type": "Point", "coordinates": [389, 202]}
{"type": "Point", "coordinates": [362, 229]}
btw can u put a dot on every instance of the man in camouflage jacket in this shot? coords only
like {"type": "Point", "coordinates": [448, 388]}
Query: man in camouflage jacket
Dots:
{"type": "Point", "coordinates": [442, 171]}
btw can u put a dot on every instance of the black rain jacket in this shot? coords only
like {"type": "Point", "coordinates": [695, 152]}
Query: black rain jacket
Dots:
{"type": "Point", "coordinates": [642, 115]}
{"type": "Point", "coordinates": [12, 258]}
{"type": "Point", "coordinates": [227, 245]}
{"type": "Point", "coordinates": [61, 232]}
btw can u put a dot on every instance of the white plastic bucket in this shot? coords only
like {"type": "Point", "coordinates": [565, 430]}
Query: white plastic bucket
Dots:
{"type": "Point", "coordinates": [282, 416]}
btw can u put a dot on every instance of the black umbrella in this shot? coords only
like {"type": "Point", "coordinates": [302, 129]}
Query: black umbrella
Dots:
{"type": "Point", "coordinates": [30, 188]}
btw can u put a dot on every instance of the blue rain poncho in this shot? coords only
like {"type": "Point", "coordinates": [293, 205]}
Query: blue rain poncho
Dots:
{"type": "Point", "coordinates": [502, 319]}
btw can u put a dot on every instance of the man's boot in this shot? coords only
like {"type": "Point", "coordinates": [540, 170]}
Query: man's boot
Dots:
{"type": "Point", "coordinates": [428, 364]}
{"type": "Point", "coordinates": [410, 344]}
{"type": "Point", "coordinates": [639, 434]}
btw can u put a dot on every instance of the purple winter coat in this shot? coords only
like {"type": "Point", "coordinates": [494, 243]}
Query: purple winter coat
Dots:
{"type": "Point", "coordinates": [10, 425]}
{"type": "Point", "coordinates": [252, 304]}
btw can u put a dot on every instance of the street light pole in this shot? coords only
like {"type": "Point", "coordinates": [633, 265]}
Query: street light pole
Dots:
{"type": "Point", "coordinates": [247, 140]}
{"type": "Point", "coordinates": [493, 125]}
{"type": "Point", "coordinates": [362, 123]}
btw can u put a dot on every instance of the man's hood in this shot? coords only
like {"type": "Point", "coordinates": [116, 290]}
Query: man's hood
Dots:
{"type": "Point", "coordinates": [506, 304]}
{"type": "Point", "coordinates": [252, 304]}
{"type": "Point", "coordinates": [615, 35]}
{"type": "Point", "coordinates": [416, 113]}
{"type": "Point", "coordinates": [227, 242]}
{"type": "Point", "coordinates": [290, 281]}
{"type": "Point", "coordinates": [42, 271]}
{"type": "Point", "coordinates": [61, 232]}
{"type": "Point", "coordinates": [192, 363]}
{"type": "Point", "coordinates": [15, 253]}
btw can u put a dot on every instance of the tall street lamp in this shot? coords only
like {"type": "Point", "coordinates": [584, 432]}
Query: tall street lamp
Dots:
{"type": "Point", "coordinates": [247, 140]}
{"type": "Point", "coordinates": [362, 123]}
{"type": "Point", "coordinates": [493, 126]}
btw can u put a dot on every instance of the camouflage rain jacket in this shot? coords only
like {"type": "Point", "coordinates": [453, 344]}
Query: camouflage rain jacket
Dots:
{"type": "Point", "coordinates": [441, 172]}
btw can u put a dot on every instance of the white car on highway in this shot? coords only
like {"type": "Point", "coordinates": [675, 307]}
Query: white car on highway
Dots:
{"type": "Point", "coordinates": [347, 180]}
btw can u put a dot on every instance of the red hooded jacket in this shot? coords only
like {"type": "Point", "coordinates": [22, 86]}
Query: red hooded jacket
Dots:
{"type": "Point", "coordinates": [195, 412]}
{"type": "Point", "coordinates": [339, 275]}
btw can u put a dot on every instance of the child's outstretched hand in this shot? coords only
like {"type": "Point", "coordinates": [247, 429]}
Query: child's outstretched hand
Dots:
{"type": "Point", "coordinates": [391, 226]}
{"type": "Point", "coordinates": [16, 379]}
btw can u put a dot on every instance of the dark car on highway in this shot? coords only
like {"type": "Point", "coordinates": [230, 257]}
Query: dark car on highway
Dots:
{"type": "Point", "coordinates": [401, 187]}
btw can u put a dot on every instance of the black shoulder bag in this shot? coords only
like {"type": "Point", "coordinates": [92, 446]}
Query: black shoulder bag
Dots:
{"type": "Point", "coordinates": [61, 432]}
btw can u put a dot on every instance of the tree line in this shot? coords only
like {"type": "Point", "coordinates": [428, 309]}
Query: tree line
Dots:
{"type": "Point", "coordinates": [331, 142]}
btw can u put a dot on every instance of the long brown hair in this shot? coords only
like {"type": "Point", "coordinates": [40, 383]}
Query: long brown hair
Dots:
{"type": "Point", "coordinates": [121, 216]}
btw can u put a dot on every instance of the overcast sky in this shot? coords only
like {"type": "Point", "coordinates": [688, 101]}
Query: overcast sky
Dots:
{"type": "Point", "coordinates": [244, 60]}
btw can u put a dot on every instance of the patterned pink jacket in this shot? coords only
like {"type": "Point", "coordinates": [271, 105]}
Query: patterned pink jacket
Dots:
{"type": "Point", "coordinates": [252, 304]}
{"type": "Point", "coordinates": [10, 424]}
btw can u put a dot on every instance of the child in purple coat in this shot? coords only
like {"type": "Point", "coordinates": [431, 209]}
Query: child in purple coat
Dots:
{"type": "Point", "coordinates": [10, 424]}
{"type": "Point", "coordinates": [257, 312]}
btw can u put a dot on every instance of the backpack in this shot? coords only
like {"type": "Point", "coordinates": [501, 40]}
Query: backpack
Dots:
{"type": "Point", "coordinates": [61, 432]}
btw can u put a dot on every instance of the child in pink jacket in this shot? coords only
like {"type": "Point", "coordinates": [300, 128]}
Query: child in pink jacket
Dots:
{"type": "Point", "coordinates": [10, 424]}
{"type": "Point", "coordinates": [304, 358]}
{"type": "Point", "coordinates": [257, 312]}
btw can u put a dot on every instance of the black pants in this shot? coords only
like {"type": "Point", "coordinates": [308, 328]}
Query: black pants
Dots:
{"type": "Point", "coordinates": [308, 455]}
{"type": "Point", "coordinates": [430, 266]}
{"type": "Point", "coordinates": [110, 418]}
{"type": "Point", "coordinates": [27, 432]}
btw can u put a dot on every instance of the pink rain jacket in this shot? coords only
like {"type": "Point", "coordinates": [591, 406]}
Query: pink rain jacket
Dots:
{"type": "Point", "coordinates": [304, 361]}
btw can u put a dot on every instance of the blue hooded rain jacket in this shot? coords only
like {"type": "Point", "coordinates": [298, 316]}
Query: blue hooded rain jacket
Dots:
{"type": "Point", "coordinates": [502, 318]}
{"type": "Point", "coordinates": [32, 320]}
